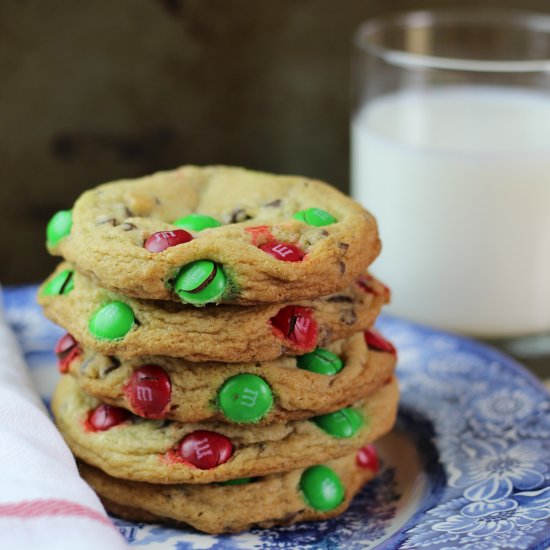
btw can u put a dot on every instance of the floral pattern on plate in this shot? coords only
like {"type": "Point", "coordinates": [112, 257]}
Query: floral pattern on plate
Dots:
{"type": "Point", "coordinates": [467, 468]}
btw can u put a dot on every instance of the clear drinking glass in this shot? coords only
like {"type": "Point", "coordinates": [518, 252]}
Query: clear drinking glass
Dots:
{"type": "Point", "coordinates": [451, 152]}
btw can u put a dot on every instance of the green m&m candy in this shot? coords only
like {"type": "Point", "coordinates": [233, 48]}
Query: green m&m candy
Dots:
{"type": "Point", "coordinates": [322, 488]}
{"type": "Point", "coordinates": [321, 361]}
{"type": "Point", "coordinates": [200, 282]}
{"type": "Point", "coordinates": [62, 283]}
{"type": "Point", "coordinates": [112, 322]}
{"type": "Point", "coordinates": [245, 398]}
{"type": "Point", "coordinates": [197, 222]}
{"type": "Point", "coordinates": [315, 217]}
{"type": "Point", "coordinates": [342, 424]}
{"type": "Point", "coordinates": [59, 226]}
{"type": "Point", "coordinates": [240, 481]}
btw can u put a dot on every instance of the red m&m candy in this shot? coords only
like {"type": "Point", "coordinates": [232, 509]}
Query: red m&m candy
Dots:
{"type": "Point", "coordinates": [66, 349]}
{"type": "Point", "coordinates": [162, 240]}
{"type": "Point", "coordinates": [149, 391]}
{"type": "Point", "coordinates": [367, 458]}
{"type": "Point", "coordinates": [377, 342]}
{"type": "Point", "coordinates": [297, 325]}
{"type": "Point", "coordinates": [283, 251]}
{"type": "Point", "coordinates": [205, 449]}
{"type": "Point", "coordinates": [104, 417]}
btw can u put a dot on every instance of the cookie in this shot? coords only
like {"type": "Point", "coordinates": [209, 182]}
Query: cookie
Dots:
{"type": "Point", "coordinates": [127, 327]}
{"type": "Point", "coordinates": [217, 234]}
{"type": "Point", "coordinates": [317, 493]}
{"type": "Point", "coordinates": [288, 388]}
{"type": "Point", "coordinates": [157, 451]}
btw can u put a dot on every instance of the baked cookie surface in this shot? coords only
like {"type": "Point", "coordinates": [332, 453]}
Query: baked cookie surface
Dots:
{"type": "Point", "coordinates": [279, 499]}
{"type": "Point", "coordinates": [114, 324]}
{"type": "Point", "coordinates": [217, 234]}
{"type": "Point", "coordinates": [156, 451]}
{"type": "Point", "coordinates": [288, 388]}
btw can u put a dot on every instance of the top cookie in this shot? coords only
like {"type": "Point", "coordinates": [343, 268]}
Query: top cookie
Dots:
{"type": "Point", "coordinates": [217, 235]}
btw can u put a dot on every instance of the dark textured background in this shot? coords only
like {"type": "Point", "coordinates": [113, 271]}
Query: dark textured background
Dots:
{"type": "Point", "coordinates": [92, 91]}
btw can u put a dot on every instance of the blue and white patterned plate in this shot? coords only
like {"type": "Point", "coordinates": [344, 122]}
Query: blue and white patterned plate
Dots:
{"type": "Point", "coordinates": [468, 466]}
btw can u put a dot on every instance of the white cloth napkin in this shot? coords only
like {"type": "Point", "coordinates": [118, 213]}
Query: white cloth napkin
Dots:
{"type": "Point", "coordinates": [44, 504]}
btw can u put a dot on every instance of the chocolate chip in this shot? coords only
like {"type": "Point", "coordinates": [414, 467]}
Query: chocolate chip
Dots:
{"type": "Point", "coordinates": [339, 299]}
{"type": "Point", "coordinates": [239, 215]}
{"type": "Point", "coordinates": [129, 213]}
{"type": "Point", "coordinates": [274, 204]}
{"type": "Point", "coordinates": [343, 246]}
{"type": "Point", "coordinates": [342, 267]}
{"type": "Point", "coordinates": [128, 226]}
{"type": "Point", "coordinates": [348, 317]}
{"type": "Point", "coordinates": [323, 233]}
{"type": "Point", "coordinates": [115, 364]}
{"type": "Point", "coordinates": [102, 220]}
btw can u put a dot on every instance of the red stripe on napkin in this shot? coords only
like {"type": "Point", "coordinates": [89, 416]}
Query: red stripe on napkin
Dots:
{"type": "Point", "coordinates": [50, 507]}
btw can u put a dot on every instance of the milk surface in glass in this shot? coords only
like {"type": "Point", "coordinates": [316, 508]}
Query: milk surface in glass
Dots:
{"type": "Point", "coordinates": [459, 180]}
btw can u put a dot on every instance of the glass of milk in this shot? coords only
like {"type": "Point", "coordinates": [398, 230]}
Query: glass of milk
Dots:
{"type": "Point", "coordinates": [451, 153]}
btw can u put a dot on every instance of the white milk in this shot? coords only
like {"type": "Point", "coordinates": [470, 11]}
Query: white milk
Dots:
{"type": "Point", "coordinates": [459, 180]}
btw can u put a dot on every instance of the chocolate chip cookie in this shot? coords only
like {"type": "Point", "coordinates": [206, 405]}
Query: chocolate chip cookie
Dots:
{"type": "Point", "coordinates": [114, 324]}
{"type": "Point", "coordinates": [288, 388]}
{"type": "Point", "coordinates": [161, 451]}
{"type": "Point", "coordinates": [217, 235]}
{"type": "Point", "coordinates": [315, 493]}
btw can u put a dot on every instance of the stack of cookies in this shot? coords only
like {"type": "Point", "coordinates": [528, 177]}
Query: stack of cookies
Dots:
{"type": "Point", "coordinates": [220, 369]}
